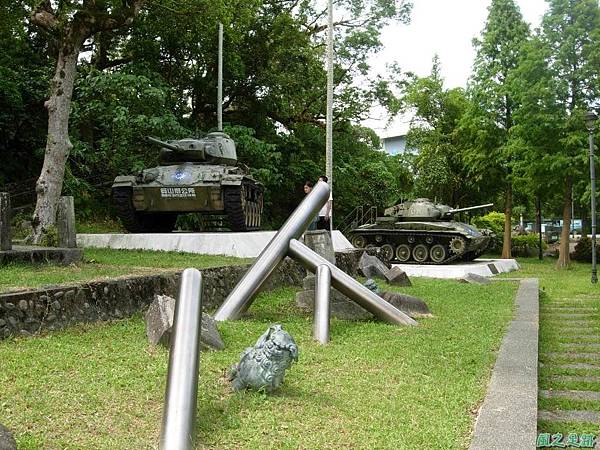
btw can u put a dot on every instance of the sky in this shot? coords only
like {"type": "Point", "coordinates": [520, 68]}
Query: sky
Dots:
{"type": "Point", "coordinates": [445, 27]}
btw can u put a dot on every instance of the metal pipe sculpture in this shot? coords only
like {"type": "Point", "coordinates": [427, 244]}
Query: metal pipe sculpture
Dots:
{"type": "Point", "coordinates": [322, 296]}
{"type": "Point", "coordinates": [349, 286]}
{"type": "Point", "coordinates": [241, 297]}
{"type": "Point", "coordinates": [179, 415]}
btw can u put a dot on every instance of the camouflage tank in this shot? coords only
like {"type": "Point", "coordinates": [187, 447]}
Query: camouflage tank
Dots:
{"type": "Point", "coordinates": [422, 232]}
{"type": "Point", "coordinates": [195, 175]}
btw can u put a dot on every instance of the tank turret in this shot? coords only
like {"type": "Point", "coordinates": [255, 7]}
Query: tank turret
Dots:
{"type": "Point", "coordinates": [421, 231]}
{"type": "Point", "coordinates": [425, 209]}
{"type": "Point", "coordinates": [214, 148]}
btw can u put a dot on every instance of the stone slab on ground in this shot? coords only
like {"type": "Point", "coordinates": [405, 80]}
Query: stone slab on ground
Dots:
{"type": "Point", "coordinates": [460, 270]}
{"type": "Point", "coordinates": [575, 379]}
{"type": "Point", "coordinates": [473, 278]}
{"type": "Point", "coordinates": [7, 441]}
{"type": "Point", "coordinates": [34, 254]}
{"type": "Point", "coordinates": [572, 355]}
{"type": "Point", "coordinates": [571, 395]}
{"type": "Point", "coordinates": [578, 366]}
{"type": "Point", "coordinates": [570, 416]}
{"type": "Point", "coordinates": [159, 324]}
{"type": "Point", "coordinates": [575, 346]}
{"type": "Point", "coordinates": [397, 277]}
{"type": "Point", "coordinates": [372, 267]}
{"type": "Point", "coordinates": [241, 245]}
{"type": "Point", "coordinates": [510, 405]}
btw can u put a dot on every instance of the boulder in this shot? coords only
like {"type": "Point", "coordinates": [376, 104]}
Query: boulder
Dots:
{"type": "Point", "coordinates": [473, 278]}
{"type": "Point", "coordinates": [372, 267]}
{"type": "Point", "coordinates": [412, 306]}
{"type": "Point", "coordinates": [340, 306]}
{"type": "Point", "coordinates": [159, 321]}
{"type": "Point", "coordinates": [397, 277]}
{"type": "Point", "coordinates": [7, 441]}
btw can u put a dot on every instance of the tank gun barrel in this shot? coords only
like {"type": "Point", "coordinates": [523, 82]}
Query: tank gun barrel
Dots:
{"type": "Point", "coordinates": [155, 141]}
{"type": "Point", "coordinates": [470, 208]}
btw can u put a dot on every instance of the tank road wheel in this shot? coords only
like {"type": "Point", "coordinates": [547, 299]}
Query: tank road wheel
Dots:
{"type": "Point", "coordinates": [420, 253]}
{"type": "Point", "coordinates": [139, 222]}
{"type": "Point", "coordinates": [359, 241]}
{"type": "Point", "coordinates": [458, 245]}
{"type": "Point", "coordinates": [129, 217]}
{"type": "Point", "coordinates": [387, 251]}
{"type": "Point", "coordinates": [241, 207]}
{"type": "Point", "coordinates": [437, 253]}
{"type": "Point", "coordinates": [403, 253]}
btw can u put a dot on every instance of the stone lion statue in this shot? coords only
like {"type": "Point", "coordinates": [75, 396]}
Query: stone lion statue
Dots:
{"type": "Point", "coordinates": [263, 366]}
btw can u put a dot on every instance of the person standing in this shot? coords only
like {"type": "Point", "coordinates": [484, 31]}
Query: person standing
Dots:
{"type": "Point", "coordinates": [324, 217]}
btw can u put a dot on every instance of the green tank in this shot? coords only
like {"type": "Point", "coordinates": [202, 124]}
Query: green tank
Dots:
{"type": "Point", "coordinates": [422, 232]}
{"type": "Point", "coordinates": [195, 175]}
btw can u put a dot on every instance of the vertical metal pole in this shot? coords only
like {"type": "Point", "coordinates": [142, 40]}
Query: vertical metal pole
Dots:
{"type": "Point", "coordinates": [220, 81]}
{"type": "Point", "coordinates": [241, 297]}
{"type": "Point", "coordinates": [593, 178]}
{"type": "Point", "coordinates": [538, 201]}
{"type": "Point", "coordinates": [329, 118]}
{"type": "Point", "coordinates": [349, 286]}
{"type": "Point", "coordinates": [572, 212]}
{"type": "Point", "coordinates": [179, 415]}
{"type": "Point", "coordinates": [321, 313]}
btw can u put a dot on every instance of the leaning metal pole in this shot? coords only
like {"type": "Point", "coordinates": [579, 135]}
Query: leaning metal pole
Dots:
{"type": "Point", "coordinates": [593, 198]}
{"type": "Point", "coordinates": [321, 314]}
{"type": "Point", "coordinates": [179, 415]}
{"type": "Point", "coordinates": [240, 298]}
{"type": "Point", "coordinates": [349, 286]}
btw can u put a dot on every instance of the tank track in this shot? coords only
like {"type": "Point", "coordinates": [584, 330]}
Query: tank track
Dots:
{"type": "Point", "coordinates": [396, 239]}
{"type": "Point", "coordinates": [138, 222]}
{"type": "Point", "coordinates": [243, 206]}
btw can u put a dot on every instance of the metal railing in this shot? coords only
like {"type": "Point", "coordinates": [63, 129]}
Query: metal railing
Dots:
{"type": "Point", "coordinates": [360, 215]}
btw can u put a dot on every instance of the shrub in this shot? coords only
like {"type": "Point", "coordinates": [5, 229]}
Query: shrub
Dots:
{"type": "Point", "coordinates": [493, 221]}
{"type": "Point", "coordinates": [526, 245]}
{"type": "Point", "coordinates": [583, 250]}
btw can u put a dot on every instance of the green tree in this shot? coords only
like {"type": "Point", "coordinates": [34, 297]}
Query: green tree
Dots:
{"type": "Point", "coordinates": [68, 25]}
{"type": "Point", "coordinates": [489, 121]}
{"type": "Point", "coordinates": [571, 35]}
{"type": "Point", "coordinates": [440, 168]}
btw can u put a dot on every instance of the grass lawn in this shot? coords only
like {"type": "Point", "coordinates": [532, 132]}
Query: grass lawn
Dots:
{"type": "Point", "coordinates": [106, 263]}
{"type": "Point", "coordinates": [374, 386]}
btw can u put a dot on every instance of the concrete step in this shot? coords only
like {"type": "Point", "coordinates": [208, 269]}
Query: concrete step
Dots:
{"type": "Point", "coordinates": [570, 416]}
{"type": "Point", "coordinates": [575, 346]}
{"type": "Point", "coordinates": [579, 338]}
{"type": "Point", "coordinates": [571, 395]}
{"type": "Point", "coordinates": [575, 379]}
{"type": "Point", "coordinates": [570, 315]}
{"type": "Point", "coordinates": [576, 366]}
{"type": "Point", "coordinates": [571, 355]}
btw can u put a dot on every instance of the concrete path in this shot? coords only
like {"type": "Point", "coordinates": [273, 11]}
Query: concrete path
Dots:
{"type": "Point", "coordinates": [508, 416]}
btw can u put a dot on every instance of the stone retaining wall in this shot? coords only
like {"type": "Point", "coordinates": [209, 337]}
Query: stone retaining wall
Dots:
{"type": "Point", "coordinates": [56, 307]}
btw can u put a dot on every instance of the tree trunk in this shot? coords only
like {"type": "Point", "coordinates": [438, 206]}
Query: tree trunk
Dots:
{"type": "Point", "coordinates": [507, 242]}
{"type": "Point", "coordinates": [564, 259]}
{"type": "Point", "coordinates": [49, 184]}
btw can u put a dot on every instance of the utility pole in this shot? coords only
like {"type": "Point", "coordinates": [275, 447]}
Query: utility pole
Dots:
{"type": "Point", "coordinates": [220, 81]}
{"type": "Point", "coordinates": [329, 119]}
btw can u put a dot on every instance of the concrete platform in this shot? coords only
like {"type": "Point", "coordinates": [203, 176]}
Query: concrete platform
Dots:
{"type": "Point", "coordinates": [34, 254]}
{"type": "Point", "coordinates": [483, 267]}
{"type": "Point", "coordinates": [242, 245]}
